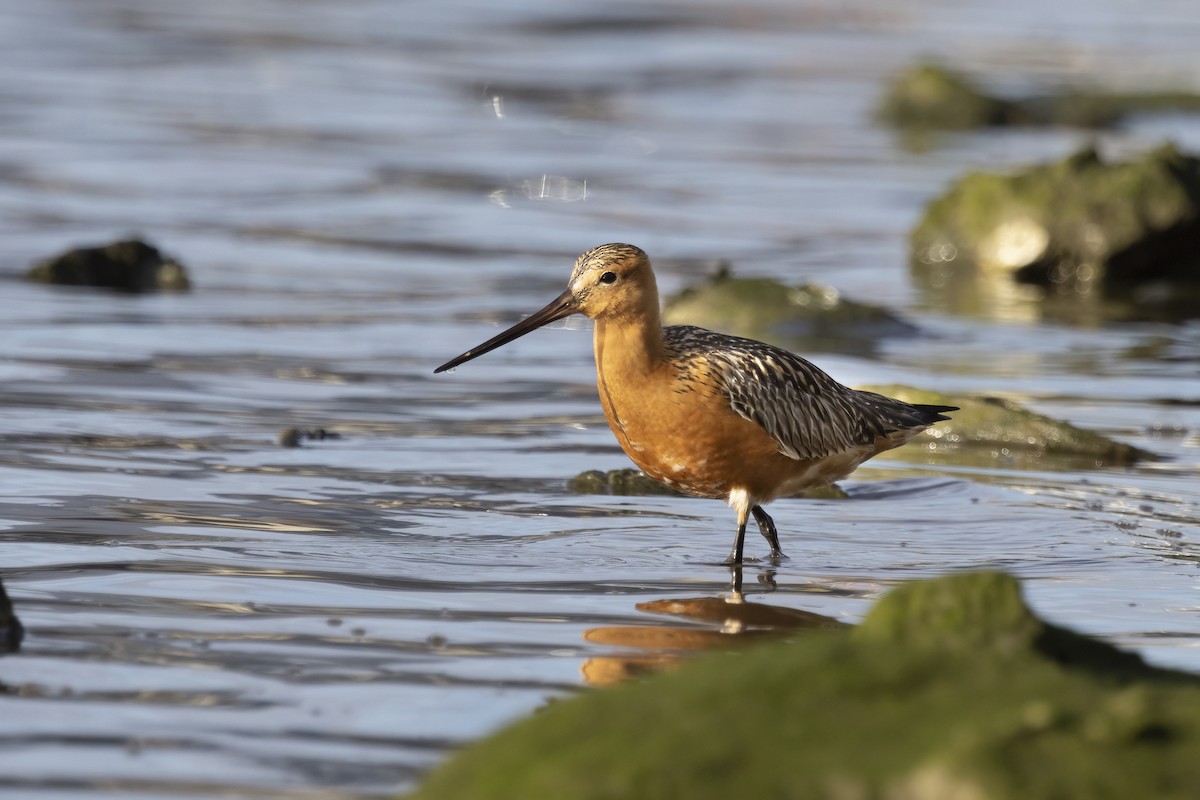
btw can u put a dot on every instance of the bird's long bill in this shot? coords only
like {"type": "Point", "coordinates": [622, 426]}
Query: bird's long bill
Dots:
{"type": "Point", "coordinates": [562, 306]}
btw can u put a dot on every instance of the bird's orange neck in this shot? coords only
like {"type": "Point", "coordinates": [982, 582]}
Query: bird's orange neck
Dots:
{"type": "Point", "coordinates": [630, 360]}
{"type": "Point", "coordinates": [629, 348]}
{"type": "Point", "coordinates": [630, 357]}
{"type": "Point", "coordinates": [628, 340]}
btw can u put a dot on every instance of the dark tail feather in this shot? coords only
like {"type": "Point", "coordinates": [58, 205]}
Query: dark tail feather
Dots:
{"type": "Point", "coordinates": [887, 414]}
{"type": "Point", "coordinates": [932, 414]}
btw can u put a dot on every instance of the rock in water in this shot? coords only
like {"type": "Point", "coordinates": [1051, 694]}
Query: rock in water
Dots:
{"type": "Point", "coordinates": [993, 431]}
{"type": "Point", "coordinates": [131, 266]}
{"type": "Point", "coordinates": [805, 317]}
{"type": "Point", "coordinates": [933, 97]}
{"type": "Point", "coordinates": [1073, 226]}
{"type": "Point", "coordinates": [951, 688]}
{"type": "Point", "coordinates": [11, 631]}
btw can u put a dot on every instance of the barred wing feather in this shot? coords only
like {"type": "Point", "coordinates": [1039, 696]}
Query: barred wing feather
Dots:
{"type": "Point", "coordinates": [808, 413]}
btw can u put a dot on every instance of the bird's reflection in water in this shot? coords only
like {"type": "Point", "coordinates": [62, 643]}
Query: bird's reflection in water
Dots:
{"type": "Point", "coordinates": [712, 622]}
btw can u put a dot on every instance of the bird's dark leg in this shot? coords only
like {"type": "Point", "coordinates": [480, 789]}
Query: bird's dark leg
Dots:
{"type": "Point", "coordinates": [766, 526]}
{"type": "Point", "coordinates": [735, 555]}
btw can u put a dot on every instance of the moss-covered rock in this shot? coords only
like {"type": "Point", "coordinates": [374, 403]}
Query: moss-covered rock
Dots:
{"type": "Point", "coordinates": [635, 482]}
{"type": "Point", "coordinates": [805, 317]}
{"type": "Point", "coordinates": [617, 481]}
{"type": "Point", "coordinates": [945, 614]}
{"type": "Point", "coordinates": [993, 431]}
{"type": "Point", "coordinates": [931, 97]}
{"type": "Point", "coordinates": [1074, 226]}
{"type": "Point", "coordinates": [131, 266]}
{"type": "Point", "coordinates": [1083, 108]}
{"type": "Point", "coordinates": [951, 688]}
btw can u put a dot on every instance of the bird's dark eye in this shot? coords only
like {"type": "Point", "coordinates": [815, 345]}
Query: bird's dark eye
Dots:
{"type": "Point", "coordinates": [608, 277]}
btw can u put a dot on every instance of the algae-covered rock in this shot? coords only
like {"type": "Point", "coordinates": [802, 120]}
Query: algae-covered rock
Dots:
{"type": "Point", "coordinates": [931, 96]}
{"type": "Point", "coordinates": [617, 481]}
{"type": "Point", "coordinates": [804, 317]}
{"type": "Point", "coordinates": [1073, 226]}
{"type": "Point", "coordinates": [944, 614]}
{"type": "Point", "coordinates": [951, 688]}
{"type": "Point", "coordinates": [1084, 108]}
{"type": "Point", "coordinates": [635, 482]}
{"type": "Point", "coordinates": [991, 431]}
{"type": "Point", "coordinates": [131, 265]}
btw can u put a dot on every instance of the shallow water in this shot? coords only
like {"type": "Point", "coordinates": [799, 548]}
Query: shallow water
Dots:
{"type": "Point", "coordinates": [364, 189]}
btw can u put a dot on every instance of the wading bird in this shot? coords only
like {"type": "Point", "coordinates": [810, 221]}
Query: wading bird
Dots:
{"type": "Point", "coordinates": [713, 415]}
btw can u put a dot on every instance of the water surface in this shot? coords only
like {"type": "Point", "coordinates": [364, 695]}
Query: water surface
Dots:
{"type": "Point", "coordinates": [364, 189]}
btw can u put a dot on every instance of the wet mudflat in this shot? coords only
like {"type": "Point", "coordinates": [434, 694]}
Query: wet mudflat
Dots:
{"type": "Point", "coordinates": [363, 190]}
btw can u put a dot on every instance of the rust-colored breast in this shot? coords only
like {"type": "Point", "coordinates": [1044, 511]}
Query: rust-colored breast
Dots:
{"type": "Point", "coordinates": [679, 428]}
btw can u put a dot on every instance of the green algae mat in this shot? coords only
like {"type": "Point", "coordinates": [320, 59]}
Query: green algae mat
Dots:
{"type": "Point", "coordinates": [951, 688]}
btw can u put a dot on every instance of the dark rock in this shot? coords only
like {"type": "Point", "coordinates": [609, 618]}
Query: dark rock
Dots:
{"type": "Point", "coordinates": [617, 481]}
{"type": "Point", "coordinates": [130, 266]}
{"type": "Point", "coordinates": [11, 631]}
{"type": "Point", "coordinates": [635, 482]}
{"type": "Point", "coordinates": [295, 437]}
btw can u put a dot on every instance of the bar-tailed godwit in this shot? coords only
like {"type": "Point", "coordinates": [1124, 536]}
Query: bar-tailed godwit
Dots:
{"type": "Point", "coordinates": [715, 415]}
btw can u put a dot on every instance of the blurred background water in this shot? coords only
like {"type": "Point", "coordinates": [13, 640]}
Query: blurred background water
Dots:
{"type": "Point", "coordinates": [363, 189]}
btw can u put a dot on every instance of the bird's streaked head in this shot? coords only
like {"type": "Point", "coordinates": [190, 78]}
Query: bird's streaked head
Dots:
{"type": "Point", "coordinates": [613, 280]}
{"type": "Point", "coordinates": [608, 282]}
